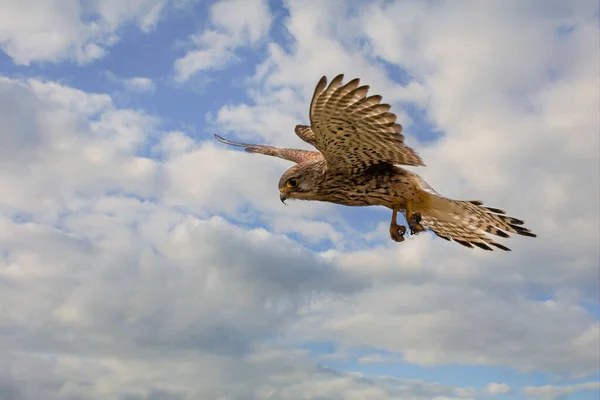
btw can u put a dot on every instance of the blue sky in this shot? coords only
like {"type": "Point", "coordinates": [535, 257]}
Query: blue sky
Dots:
{"type": "Point", "coordinates": [143, 260]}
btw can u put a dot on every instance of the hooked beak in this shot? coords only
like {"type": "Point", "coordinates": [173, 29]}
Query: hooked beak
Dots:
{"type": "Point", "coordinates": [283, 195]}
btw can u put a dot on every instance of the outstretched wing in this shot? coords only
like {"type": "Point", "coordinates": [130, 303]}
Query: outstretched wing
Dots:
{"type": "Point", "coordinates": [294, 155]}
{"type": "Point", "coordinates": [353, 131]}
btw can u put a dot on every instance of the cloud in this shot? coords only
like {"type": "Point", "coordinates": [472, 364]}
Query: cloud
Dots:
{"type": "Point", "coordinates": [135, 84]}
{"type": "Point", "coordinates": [552, 392]}
{"type": "Point", "coordinates": [71, 29]}
{"type": "Point", "coordinates": [139, 85]}
{"type": "Point", "coordinates": [68, 138]}
{"type": "Point", "coordinates": [265, 374]}
{"type": "Point", "coordinates": [234, 24]}
{"type": "Point", "coordinates": [429, 314]}
{"type": "Point", "coordinates": [495, 389]}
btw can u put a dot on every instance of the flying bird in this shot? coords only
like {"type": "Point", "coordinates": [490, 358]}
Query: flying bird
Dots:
{"type": "Point", "coordinates": [360, 147]}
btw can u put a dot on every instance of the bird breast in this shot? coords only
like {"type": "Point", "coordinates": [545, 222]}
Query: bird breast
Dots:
{"type": "Point", "coordinates": [385, 188]}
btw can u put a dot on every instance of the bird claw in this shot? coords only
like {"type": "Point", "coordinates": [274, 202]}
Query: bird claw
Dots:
{"type": "Point", "coordinates": [397, 232]}
{"type": "Point", "coordinates": [416, 230]}
{"type": "Point", "coordinates": [414, 224]}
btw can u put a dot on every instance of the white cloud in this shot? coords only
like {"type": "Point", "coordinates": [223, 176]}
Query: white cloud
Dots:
{"type": "Point", "coordinates": [174, 144]}
{"type": "Point", "coordinates": [431, 316]}
{"type": "Point", "coordinates": [71, 142]}
{"type": "Point", "coordinates": [495, 389]}
{"type": "Point", "coordinates": [70, 29]}
{"type": "Point", "coordinates": [311, 231]}
{"type": "Point", "coordinates": [234, 23]}
{"type": "Point", "coordinates": [552, 392]}
{"type": "Point", "coordinates": [377, 359]}
{"type": "Point", "coordinates": [139, 84]}
{"type": "Point", "coordinates": [145, 13]}
{"type": "Point", "coordinates": [136, 84]}
{"type": "Point", "coordinates": [264, 374]}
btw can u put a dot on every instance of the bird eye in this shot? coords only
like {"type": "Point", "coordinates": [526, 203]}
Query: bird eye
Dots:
{"type": "Point", "coordinates": [292, 183]}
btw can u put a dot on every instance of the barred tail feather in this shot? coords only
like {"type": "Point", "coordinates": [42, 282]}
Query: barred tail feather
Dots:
{"type": "Point", "coordinates": [470, 223]}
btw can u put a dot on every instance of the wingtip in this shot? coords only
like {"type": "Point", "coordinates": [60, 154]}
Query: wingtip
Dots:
{"type": "Point", "coordinates": [229, 142]}
{"type": "Point", "coordinates": [320, 85]}
{"type": "Point", "coordinates": [500, 246]}
{"type": "Point", "coordinates": [223, 140]}
{"type": "Point", "coordinates": [337, 81]}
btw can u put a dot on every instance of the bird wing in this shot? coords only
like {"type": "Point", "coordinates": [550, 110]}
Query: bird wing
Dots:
{"type": "Point", "coordinates": [294, 155]}
{"type": "Point", "coordinates": [353, 131]}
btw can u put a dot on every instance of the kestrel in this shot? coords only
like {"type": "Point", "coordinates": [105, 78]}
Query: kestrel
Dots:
{"type": "Point", "coordinates": [360, 146]}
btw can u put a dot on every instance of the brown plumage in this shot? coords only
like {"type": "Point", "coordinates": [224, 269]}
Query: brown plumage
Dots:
{"type": "Point", "coordinates": [360, 146]}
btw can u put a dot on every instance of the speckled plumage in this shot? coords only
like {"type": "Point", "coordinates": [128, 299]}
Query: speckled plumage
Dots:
{"type": "Point", "coordinates": [360, 146]}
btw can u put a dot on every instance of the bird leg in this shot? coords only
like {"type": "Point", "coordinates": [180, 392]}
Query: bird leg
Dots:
{"type": "Point", "coordinates": [396, 231]}
{"type": "Point", "coordinates": [413, 219]}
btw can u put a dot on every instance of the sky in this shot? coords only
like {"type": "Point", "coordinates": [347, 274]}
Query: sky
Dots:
{"type": "Point", "coordinates": [142, 260]}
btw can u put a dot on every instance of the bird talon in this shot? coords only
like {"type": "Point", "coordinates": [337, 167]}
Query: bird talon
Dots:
{"type": "Point", "coordinates": [397, 232]}
{"type": "Point", "coordinates": [414, 224]}
{"type": "Point", "coordinates": [415, 230]}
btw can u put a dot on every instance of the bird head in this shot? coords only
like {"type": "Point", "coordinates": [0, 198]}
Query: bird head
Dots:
{"type": "Point", "coordinates": [298, 182]}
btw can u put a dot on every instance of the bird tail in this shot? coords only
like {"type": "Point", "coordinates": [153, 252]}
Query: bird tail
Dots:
{"type": "Point", "coordinates": [469, 222]}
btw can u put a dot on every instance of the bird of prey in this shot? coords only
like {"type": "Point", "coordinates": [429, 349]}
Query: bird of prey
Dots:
{"type": "Point", "coordinates": [360, 147]}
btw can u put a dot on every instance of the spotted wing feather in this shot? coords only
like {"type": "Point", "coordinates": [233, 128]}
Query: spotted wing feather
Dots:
{"type": "Point", "coordinates": [353, 131]}
{"type": "Point", "coordinates": [294, 155]}
{"type": "Point", "coordinates": [305, 133]}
